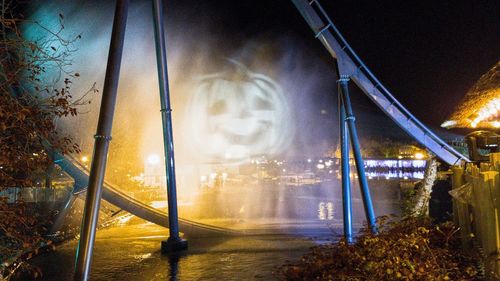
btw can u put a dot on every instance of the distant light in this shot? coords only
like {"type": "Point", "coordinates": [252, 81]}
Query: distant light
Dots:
{"type": "Point", "coordinates": [419, 155]}
{"type": "Point", "coordinates": [448, 123]}
{"type": "Point", "coordinates": [309, 160]}
{"type": "Point", "coordinates": [213, 175]}
{"type": "Point", "coordinates": [84, 159]}
{"type": "Point", "coordinates": [320, 161]}
{"type": "Point", "coordinates": [153, 159]}
{"type": "Point", "coordinates": [496, 124]}
{"type": "Point", "coordinates": [203, 178]}
{"type": "Point", "coordinates": [405, 178]}
{"type": "Point", "coordinates": [284, 170]}
{"type": "Point", "coordinates": [320, 166]}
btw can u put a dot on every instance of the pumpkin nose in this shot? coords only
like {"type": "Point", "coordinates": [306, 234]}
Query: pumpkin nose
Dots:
{"type": "Point", "coordinates": [244, 113]}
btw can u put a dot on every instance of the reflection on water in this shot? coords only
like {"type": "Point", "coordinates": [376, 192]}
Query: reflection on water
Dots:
{"type": "Point", "coordinates": [325, 210]}
{"type": "Point", "coordinates": [395, 169]}
{"type": "Point", "coordinates": [396, 174]}
{"type": "Point", "coordinates": [132, 253]}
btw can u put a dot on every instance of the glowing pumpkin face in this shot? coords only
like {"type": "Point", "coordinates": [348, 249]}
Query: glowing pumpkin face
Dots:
{"type": "Point", "coordinates": [238, 114]}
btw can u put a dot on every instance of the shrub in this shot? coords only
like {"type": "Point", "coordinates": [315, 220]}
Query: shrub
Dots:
{"type": "Point", "coordinates": [409, 249]}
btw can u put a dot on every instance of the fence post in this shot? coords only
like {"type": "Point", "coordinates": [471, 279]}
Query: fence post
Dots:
{"type": "Point", "coordinates": [461, 211]}
{"type": "Point", "coordinates": [490, 223]}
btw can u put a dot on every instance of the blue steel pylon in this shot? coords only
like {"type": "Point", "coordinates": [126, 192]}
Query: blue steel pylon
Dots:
{"type": "Point", "coordinates": [346, 115]}
{"type": "Point", "coordinates": [345, 168]}
{"type": "Point", "coordinates": [174, 242]}
{"type": "Point", "coordinates": [103, 137]}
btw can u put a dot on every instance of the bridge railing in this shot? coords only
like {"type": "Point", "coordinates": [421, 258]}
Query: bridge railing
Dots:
{"type": "Point", "coordinates": [476, 208]}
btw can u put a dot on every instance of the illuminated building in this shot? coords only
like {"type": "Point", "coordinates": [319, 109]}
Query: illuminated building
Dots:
{"type": "Point", "coordinates": [481, 105]}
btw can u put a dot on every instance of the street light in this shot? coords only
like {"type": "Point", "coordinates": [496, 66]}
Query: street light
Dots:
{"type": "Point", "coordinates": [419, 155]}
{"type": "Point", "coordinates": [153, 159]}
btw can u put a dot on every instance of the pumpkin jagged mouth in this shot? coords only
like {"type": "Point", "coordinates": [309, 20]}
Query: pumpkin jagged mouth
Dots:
{"type": "Point", "coordinates": [239, 126]}
{"type": "Point", "coordinates": [245, 139]}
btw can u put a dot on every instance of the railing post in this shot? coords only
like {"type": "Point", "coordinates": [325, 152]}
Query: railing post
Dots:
{"type": "Point", "coordinates": [101, 145]}
{"type": "Point", "coordinates": [174, 242]}
{"type": "Point", "coordinates": [363, 183]}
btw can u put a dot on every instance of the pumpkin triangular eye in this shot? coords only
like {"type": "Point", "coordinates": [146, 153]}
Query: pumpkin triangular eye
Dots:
{"type": "Point", "coordinates": [219, 107]}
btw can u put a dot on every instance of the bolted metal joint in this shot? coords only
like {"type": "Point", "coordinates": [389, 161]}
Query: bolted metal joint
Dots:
{"type": "Point", "coordinates": [343, 78]}
{"type": "Point", "coordinates": [106, 138]}
{"type": "Point", "coordinates": [166, 110]}
{"type": "Point", "coordinates": [350, 118]}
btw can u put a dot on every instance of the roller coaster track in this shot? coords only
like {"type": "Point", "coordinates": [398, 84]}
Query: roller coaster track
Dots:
{"type": "Point", "coordinates": [348, 63]}
{"type": "Point", "coordinates": [113, 195]}
{"type": "Point", "coordinates": [351, 65]}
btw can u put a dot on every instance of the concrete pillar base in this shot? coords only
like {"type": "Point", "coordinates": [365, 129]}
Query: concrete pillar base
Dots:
{"type": "Point", "coordinates": [173, 245]}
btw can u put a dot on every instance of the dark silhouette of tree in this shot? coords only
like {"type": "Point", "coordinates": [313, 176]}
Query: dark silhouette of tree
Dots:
{"type": "Point", "coordinates": [30, 100]}
{"type": "Point", "coordinates": [35, 92]}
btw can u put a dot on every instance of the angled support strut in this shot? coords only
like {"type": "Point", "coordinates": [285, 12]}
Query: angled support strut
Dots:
{"type": "Point", "coordinates": [360, 168]}
{"type": "Point", "coordinates": [101, 145]}
{"type": "Point", "coordinates": [174, 242]}
{"type": "Point", "coordinates": [345, 168]}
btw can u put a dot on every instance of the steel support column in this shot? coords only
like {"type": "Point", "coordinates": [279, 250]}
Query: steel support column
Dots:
{"type": "Point", "coordinates": [345, 168]}
{"type": "Point", "coordinates": [363, 183]}
{"type": "Point", "coordinates": [174, 242]}
{"type": "Point", "coordinates": [101, 145]}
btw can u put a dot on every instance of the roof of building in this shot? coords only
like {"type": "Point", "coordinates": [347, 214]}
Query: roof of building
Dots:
{"type": "Point", "coordinates": [481, 105]}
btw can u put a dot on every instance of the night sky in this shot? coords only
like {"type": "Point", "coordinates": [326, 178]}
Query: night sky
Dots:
{"type": "Point", "coordinates": [427, 53]}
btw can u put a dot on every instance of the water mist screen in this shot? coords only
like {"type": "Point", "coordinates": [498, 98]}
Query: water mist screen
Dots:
{"type": "Point", "coordinates": [237, 114]}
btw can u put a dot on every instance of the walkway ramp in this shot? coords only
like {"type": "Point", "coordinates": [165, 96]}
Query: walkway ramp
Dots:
{"type": "Point", "coordinates": [350, 64]}
{"type": "Point", "coordinates": [120, 199]}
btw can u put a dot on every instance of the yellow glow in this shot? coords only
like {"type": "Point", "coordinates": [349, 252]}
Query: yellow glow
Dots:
{"type": "Point", "coordinates": [84, 159]}
{"type": "Point", "coordinates": [489, 111]}
{"type": "Point", "coordinates": [496, 124]}
{"type": "Point", "coordinates": [419, 155]}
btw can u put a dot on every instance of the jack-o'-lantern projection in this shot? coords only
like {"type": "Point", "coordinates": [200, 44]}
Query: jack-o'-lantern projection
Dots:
{"type": "Point", "coordinates": [238, 114]}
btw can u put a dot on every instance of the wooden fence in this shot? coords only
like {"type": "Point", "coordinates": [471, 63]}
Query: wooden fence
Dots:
{"type": "Point", "coordinates": [476, 205]}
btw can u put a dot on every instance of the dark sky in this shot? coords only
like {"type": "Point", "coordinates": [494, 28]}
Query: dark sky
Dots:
{"type": "Point", "coordinates": [427, 53]}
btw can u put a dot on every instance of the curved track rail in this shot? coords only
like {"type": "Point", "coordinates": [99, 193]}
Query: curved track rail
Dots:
{"type": "Point", "coordinates": [350, 64]}
{"type": "Point", "coordinates": [120, 199]}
